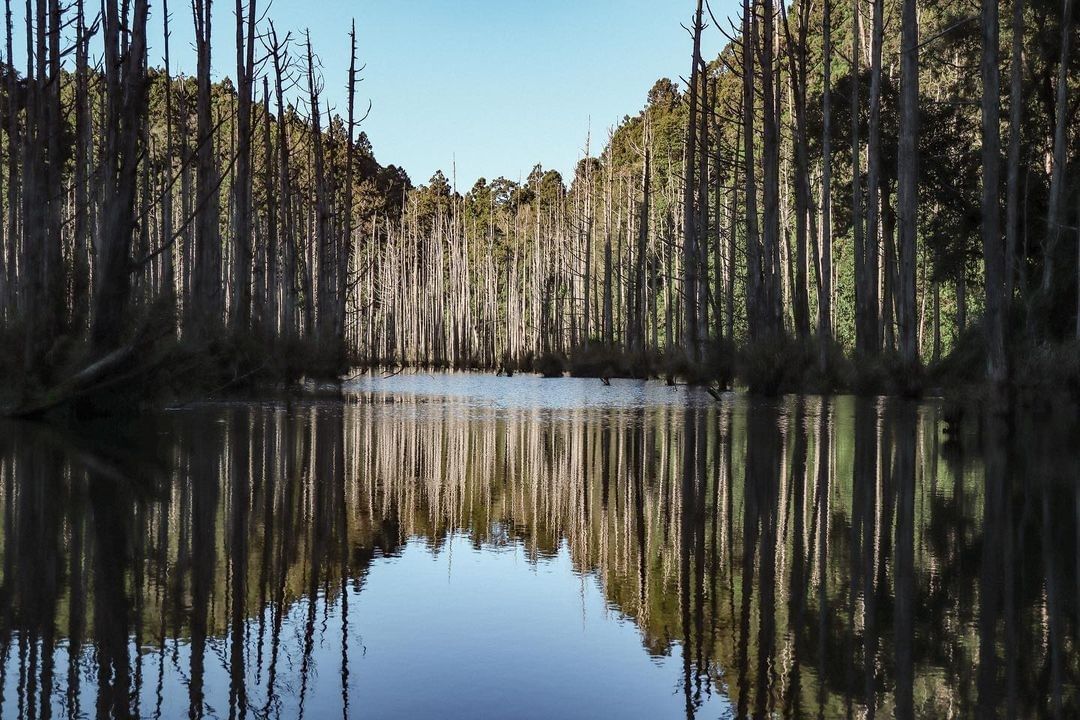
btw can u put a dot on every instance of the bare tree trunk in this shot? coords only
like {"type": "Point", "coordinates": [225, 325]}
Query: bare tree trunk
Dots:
{"type": "Point", "coordinates": [53, 271]}
{"type": "Point", "coordinates": [1057, 175]}
{"type": "Point", "coordinates": [733, 204]}
{"type": "Point", "coordinates": [770, 166]}
{"type": "Point", "coordinates": [80, 284]}
{"type": "Point", "coordinates": [701, 225]}
{"type": "Point", "coordinates": [169, 271]}
{"type": "Point", "coordinates": [690, 253]}
{"type": "Point", "coordinates": [937, 322]}
{"type": "Point", "coordinates": [718, 283]}
{"type": "Point", "coordinates": [11, 280]}
{"type": "Point", "coordinates": [586, 232]}
{"type": "Point", "coordinates": [907, 182]}
{"type": "Point", "coordinates": [890, 271]}
{"type": "Point", "coordinates": [125, 91]}
{"type": "Point", "coordinates": [206, 309]}
{"type": "Point", "coordinates": [638, 343]}
{"type": "Point", "coordinates": [323, 252]}
{"type": "Point", "coordinates": [796, 52]}
{"type": "Point", "coordinates": [993, 252]}
{"type": "Point", "coordinates": [242, 211]}
{"type": "Point", "coordinates": [288, 238]}
{"type": "Point", "coordinates": [271, 318]}
{"type": "Point", "coordinates": [1012, 192]}
{"type": "Point", "coordinates": [873, 180]}
{"type": "Point", "coordinates": [825, 286]}
{"type": "Point", "coordinates": [608, 301]}
{"type": "Point", "coordinates": [31, 292]}
{"type": "Point", "coordinates": [857, 218]}
{"type": "Point", "coordinates": [756, 315]}
{"type": "Point", "coordinates": [346, 247]}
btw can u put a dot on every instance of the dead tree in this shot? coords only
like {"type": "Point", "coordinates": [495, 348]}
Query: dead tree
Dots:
{"type": "Point", "coordinates": [637, 344]}
{"type": "Point", "coordinates": [323, 241]}
{"type": "Point", "coordinates": [125, 97]}
{"type": "Point", "coordinates": [872, 329]}
{"type": "Point", "coordinates": [206, 305]}
{"type": "Point", "coordinates": [908, 173]}
{"type": "Point", "coordinates": [797, 68]}
{"type": "Point", "coordinates": [756, 299]}
{"type": "Point", "coordinates": [825, 284]}
{"type": "Point", "coordinates": [770, 170]}
{"type": "Point", "coordinates": [242, 254]}
{"type": "Point", "coordinates": [993, 250]}
{"type": "Point", "coordinates": [1057, 174]}
{"type": "Point", "coordinates": [691, 341]}
{"type": "Point", "coordinates": [1012, 187]}
{"type": "Point", "coordinates": [858, 228]}
{"type": "Point", "coordinates": [80, 280]}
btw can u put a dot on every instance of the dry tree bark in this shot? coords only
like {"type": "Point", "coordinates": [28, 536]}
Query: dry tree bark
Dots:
{"type": "Point", "coordinates": [207, 303]}
{"type": "Point", "coordinates": [825, 328]}
{"type": "Point", "coordinates": [689, 250]}
{"type": "Point", "coordinates": [908, 174]}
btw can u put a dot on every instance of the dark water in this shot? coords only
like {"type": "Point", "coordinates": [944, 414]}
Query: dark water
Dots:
{"type": "Point", "coordinates": [471, 547]}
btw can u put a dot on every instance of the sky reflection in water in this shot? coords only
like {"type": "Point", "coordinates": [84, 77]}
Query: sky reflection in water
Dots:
{"type": "Point", "coordinates": [470, 546]}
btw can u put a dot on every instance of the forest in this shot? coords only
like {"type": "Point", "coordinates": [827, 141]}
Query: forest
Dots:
{"type": "Point", "coordinates": [869, 196]}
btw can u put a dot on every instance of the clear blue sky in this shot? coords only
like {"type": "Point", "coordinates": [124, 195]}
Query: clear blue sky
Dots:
{"type": "Point", "coordinates": [498, 84]}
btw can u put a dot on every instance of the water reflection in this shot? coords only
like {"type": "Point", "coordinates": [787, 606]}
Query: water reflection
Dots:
{"type": "Point", "coordinates": [397, 555]}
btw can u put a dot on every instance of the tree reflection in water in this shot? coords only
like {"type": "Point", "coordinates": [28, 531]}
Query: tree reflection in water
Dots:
{"type": "Point", "coordinates": [804, 557]}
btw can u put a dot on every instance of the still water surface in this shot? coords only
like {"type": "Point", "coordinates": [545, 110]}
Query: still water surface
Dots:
{"type": "Point", "coordinates": [470, 546]}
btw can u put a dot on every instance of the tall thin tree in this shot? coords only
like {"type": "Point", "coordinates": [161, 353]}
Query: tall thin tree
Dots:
{"type": "Point", "coordinates": [907, 179]}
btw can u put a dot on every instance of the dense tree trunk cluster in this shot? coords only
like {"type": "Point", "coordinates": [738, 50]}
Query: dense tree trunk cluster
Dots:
{"type": "Point", "coordinates": [735, 189]}
{"type": "Point", "coordinates": [135, 198]}
{"type": "Point", "coordinates": [729, 203]}
{"type": "Point", "coordinates": [754, 207]}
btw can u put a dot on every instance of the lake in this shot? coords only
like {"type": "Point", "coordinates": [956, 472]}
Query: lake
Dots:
{"type": "Point", "coordinates": [469, 546]}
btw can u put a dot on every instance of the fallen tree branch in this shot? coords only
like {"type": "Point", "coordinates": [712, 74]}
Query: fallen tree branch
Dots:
{"type": "Point", "coordinates": [95, 377]}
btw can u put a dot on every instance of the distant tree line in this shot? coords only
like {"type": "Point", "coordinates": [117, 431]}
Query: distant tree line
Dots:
{"type": "Point", "coordinates": [844, 178]}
